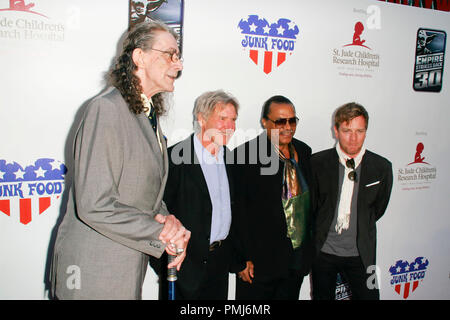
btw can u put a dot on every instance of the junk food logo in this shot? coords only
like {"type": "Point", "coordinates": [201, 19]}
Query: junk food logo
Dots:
{"type": "Point", "coordinates": [28, 192]}
{"type": "Point", "coordinates": [406, 276]}
{"type": "Point", "coordinates": [268, 44]}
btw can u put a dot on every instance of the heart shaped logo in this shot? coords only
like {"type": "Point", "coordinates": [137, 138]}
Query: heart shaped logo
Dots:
{"type": "Point", "coordinates": [268, 44]}
{"type": "Point", "coordinates": [30, 191]}
{"type": "Point", "coordinates": [406, 276]}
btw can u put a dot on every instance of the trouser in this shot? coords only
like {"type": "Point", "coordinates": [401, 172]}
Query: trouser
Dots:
{"type": "Point", "coordinates": [211, 282]}
{"type": "Point", "coordinates": [214, 282]}
{"type": "Point", "coordinates": [275, 289]}
{"type": "Point", "coordinates": [324, 273]}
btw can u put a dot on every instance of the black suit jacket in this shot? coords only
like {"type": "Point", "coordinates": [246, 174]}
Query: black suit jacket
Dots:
{"type": "Point", "coordinates": [262, 226]}
{"type": "Point", "coordinates": [187, 197]}
{"type": "Point", "coordinates": [375, 186]}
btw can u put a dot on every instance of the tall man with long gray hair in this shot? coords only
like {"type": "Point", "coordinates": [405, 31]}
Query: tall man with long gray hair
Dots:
{"type": "Point", "coordinates": [115, 215]}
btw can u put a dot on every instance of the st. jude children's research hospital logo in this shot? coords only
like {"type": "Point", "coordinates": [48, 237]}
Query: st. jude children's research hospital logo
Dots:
{"type": "Point", "coordinates": [406, 276]}
{"type": "Point", "coordinates": [268, 44]}
{"type": "Point", "coordinates": [20, 5]}
{"type": "Point", "coordinates": [24, 21]}
{"type": "Point", "coordinates": [356, 58]}
{"type": "Point", "coordinates": [30, 191]}
{"type": "Point", "coordinates": [418, 174]}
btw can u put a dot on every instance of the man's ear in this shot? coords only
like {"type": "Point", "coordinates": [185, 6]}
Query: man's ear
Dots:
{"type": "Point", "coordinates": [264, 123]}
{"type": "Point", "coordinates": [201, 120]}
{"type": "Point", "coordinates": [335, 130]}
{"type": "Point", "coordinates": [138, 57]}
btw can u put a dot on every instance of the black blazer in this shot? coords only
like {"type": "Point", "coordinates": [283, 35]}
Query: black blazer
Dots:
{"type": "Point", "coordinates": [187, 197]}
{"type": "Point", "coordinates": [373, 196]}
{"type": "Point", "coordinates": [262, 230]}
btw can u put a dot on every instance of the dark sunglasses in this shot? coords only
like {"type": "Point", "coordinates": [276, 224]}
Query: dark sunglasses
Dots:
{"type": "Point", "coordinates": [282, 122]}
{"type": "Point", "coordinates": [350, 163]}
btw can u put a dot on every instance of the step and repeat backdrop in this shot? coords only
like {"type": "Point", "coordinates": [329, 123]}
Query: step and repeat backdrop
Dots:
{"type": "Point", "coordinates": [321, 54]}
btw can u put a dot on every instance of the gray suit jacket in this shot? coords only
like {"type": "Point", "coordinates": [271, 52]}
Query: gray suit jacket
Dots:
{"type": "Point", "coordinates": [109, 228]}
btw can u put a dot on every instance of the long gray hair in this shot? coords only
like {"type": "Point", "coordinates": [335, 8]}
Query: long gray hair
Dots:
{"type": "Point", "coordinates": [123, 77]}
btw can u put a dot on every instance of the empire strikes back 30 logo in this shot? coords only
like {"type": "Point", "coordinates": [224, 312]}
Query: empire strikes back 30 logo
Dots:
{"type": "Point", "coordinates": [30, 191]}
{"type": "Point", "coordinates": [406, 276]}
{"type": "Point", "coordinates": [268, 44]}
{"type": "Point", "coordinates": [429, 63]}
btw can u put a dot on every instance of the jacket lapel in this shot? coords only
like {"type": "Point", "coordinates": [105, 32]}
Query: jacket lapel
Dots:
{"type": "Point", "coordinates": [333, 175]}
{"type": "Point", "coordinates": [153, 143]}
{"type": "Point", "coordinates": [165, 156]}
{"type": "Point", "coordinates": [195, 168]}
{"type": "Point", "coordinates": [366, 177]}
{"type": "Point", "coordinates": [228, 155]}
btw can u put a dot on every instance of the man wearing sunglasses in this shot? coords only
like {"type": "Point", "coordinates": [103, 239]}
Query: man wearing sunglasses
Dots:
{"type": "Point", "coordinates": [274, 207]}
{"type": "Point", "coordinates": [350, 192]}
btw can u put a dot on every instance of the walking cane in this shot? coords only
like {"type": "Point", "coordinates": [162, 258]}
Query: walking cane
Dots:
{"type": "Point", "coordinates": [172, 273]}
{"type": "Point", "coordinates": [171, 277]}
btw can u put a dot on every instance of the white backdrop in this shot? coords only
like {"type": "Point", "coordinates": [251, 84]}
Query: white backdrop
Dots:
{"type": "Point", "coordinates": [52, 64]}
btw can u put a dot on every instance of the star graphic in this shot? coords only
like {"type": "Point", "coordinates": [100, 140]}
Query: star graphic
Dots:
{"type": "Point", "coordinates": [19, 174]}
{"type": "Point", "coordinates": [291, 25]}
{"type": "Point", "coordinates": [253, 27]}
{"type": "Point", "coordinates": [40, 172]}
{"type": "Point", "coordinates": [266, 29]}
{"type": "Point", "coordinates": [56, 165]}
{"type": "Point", "coordinates": [2, 174]}
{"type": "Point", "coordinates": [280, 30]}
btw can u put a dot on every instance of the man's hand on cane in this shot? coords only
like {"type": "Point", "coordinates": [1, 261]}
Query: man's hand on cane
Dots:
{"type": "Point", "coordinates": [175, 236]}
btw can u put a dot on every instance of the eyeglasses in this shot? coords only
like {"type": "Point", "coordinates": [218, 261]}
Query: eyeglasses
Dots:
{"type": "Point", "coordinates": [282, 122]}
{"type": "Point", "coordinates": [350, 163]}
{"type": "Point", "coordinates": [174, 56]}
